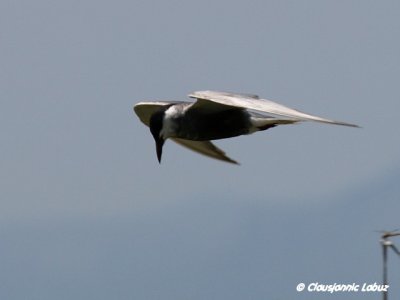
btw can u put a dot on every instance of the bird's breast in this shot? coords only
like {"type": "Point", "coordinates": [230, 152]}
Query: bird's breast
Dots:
{"type": "Point", "coordinates": [212, 126]}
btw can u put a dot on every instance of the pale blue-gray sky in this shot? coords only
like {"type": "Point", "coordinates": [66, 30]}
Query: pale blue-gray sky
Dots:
{"type": "Point", "coordinates": [88, 213]}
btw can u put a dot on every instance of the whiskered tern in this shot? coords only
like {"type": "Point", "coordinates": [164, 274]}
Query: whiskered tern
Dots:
{"type": "Point", "coordinates": [213, 116]}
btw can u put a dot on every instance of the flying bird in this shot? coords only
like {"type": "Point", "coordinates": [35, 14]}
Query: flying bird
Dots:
{"type": "Point", "coordinates": [215, 115]}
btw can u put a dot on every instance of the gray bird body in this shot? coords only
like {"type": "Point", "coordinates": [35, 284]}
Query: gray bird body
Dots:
{"type": "Point", "coordinates": [216, 115]}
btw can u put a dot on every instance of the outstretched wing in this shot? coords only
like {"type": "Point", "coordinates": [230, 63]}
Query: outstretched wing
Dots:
{"type": "Point", "coordinates": [144, 110]}
{"type": "Point", "coordinates": [206, 148]}
{"type": "Point", "coordinates": [212, 100]}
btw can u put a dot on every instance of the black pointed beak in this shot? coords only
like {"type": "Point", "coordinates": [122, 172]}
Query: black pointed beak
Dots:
{"type": "Point", "coordinates": [159, 146]}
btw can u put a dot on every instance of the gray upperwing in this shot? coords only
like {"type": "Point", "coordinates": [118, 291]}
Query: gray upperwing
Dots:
{"type": "Point", "coordinates": [206, 148]}
{"type": "Point", "coordinates": [222, 99]}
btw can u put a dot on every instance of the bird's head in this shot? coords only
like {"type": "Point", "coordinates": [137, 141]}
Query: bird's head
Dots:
{"type": "Point", "coordinates": [156, 125]}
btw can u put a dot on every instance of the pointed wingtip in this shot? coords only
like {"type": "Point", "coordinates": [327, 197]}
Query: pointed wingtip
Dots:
{"type": "Point", "coordinates": [350, 125]}
{"type": "Point", "coordinates": [234, 162]}
{"type": "Point", "coordinates": [333, 122]}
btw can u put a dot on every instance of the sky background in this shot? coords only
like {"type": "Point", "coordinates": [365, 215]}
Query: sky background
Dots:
{"type": "Point", "coordinates": [86, 211]}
